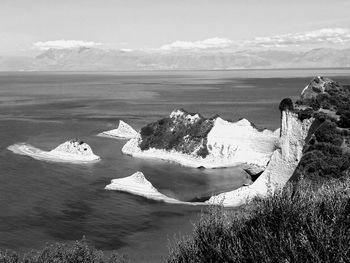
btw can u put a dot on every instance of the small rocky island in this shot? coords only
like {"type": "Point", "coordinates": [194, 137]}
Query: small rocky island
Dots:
{"type": "Point", "coordinates": [73, 151]}
{"type": "Point", "coordinates": [137, 184]}
{"type": "Point", "coordinates": [195, 141]}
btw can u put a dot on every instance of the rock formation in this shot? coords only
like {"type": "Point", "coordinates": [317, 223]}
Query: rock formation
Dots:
{"type": "Point", "coordinates": [74, 151]}
{"type": "Point", "coordinates": [318, 85]}
{"type": "Point", "coordinates": [313, 142]}
{"type": "Point", "coordinates": [195, 141]}
{"type": "Point", "coordinates": [326, 154]}
{"type": "Point", "coordinates": [137, 184]}
{"type": "Point", "coordinates": [124, 131]}
{"type": "Point", "coordinates": [281, 166]}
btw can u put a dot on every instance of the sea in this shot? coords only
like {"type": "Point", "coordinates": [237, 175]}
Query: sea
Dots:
{"type": "Point", "coordinates": [45, 202]}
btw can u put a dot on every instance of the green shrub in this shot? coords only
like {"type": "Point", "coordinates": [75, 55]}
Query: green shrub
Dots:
{"type": "Point", "coordinates": [146, 131]}
{"type": "Point", "coordinates": [305, 114]}
{"type": "Point", "coordinates": [203, 152]}
{"type": "Point", "coordinates": [334, 97]}
{"type": "Point", "coordinates": [328, 132]}
{"type": "Point", "coordinates": [79, 252]}
{"type": "Point", "coordinates": [8, 257]}
{"type": "Point", "coordinates": [310, 102]}
{"type": "Point", "coordinates": [177, 133]}
{"type": "Point", "coordinates": [286, 104]}
{"type": "Point", "coordinates": [294, 225]}
{"type": "Point", "coordinates": [344, 120]}
{"type": "Point", "coordinates": [321, 116]}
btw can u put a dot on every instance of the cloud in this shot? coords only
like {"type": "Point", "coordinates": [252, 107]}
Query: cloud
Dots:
{"type": "Point", "coordinates": [204, 44]}
{"type": "Point", "coordinates": [318, 38]}
{"type": "Point", "coordinates": [64, 44]}
{"type": "Point", "coordinates": [326, 36]}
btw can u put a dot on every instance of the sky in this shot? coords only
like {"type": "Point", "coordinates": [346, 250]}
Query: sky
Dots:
{"type": "Point", "coordinates": [31, 26]}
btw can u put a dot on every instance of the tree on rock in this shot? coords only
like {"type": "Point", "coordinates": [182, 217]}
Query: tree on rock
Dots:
{"type": "Point", "coordinates": [286, 104]}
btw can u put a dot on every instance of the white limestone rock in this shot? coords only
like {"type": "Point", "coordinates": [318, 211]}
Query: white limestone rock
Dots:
{"type": "Point", "coordinates": [228, 143]}
{"type": "Point", "coordinates": [281, 165]}
{"type": "Point", "coordinates": [73, 151]}
{"type": "Point", "coordinates": [241, 143]}
{"type": "Point", "coordinates": [280, 168]}
{"type": "Point", "coordinates": [124, 131]}
{"type": "Point", "coordinates": [137, 184]}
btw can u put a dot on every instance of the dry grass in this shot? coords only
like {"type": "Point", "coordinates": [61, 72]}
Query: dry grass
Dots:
{"type": "Point", "coordinates": [297, 224]}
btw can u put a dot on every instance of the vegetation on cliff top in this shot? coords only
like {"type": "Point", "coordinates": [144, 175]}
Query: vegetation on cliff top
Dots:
{"type": "Point", "coordinates": [333, 97]}
{"type": "Point", "coordinates": [326, 153]}
{"type": "Point", "coordinates": [308, 220]}
{"type": "Point", "coordinates": [296, 224]}
{"type": "Point", "coordinates": [183, 133]}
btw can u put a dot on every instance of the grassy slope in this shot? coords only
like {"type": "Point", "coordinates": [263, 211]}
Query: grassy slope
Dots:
{"type": "Point", "coordinates": [295, 225]}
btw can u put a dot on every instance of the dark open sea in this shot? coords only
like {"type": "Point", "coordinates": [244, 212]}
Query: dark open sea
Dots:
{"type": "Point", "coordinates": [44, 202]}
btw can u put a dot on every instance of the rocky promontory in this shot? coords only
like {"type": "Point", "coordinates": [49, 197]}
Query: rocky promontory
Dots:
{"type": "Point", "coordinates": [312, 143]}
{"type": "Point", "coordinates": [326, 154]}
{"type": "Point", "coordinates": [193, 140]}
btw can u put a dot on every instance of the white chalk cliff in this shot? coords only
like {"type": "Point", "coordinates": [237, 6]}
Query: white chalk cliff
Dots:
{"type": "Point", "coordinates": [137, 184]}
{"type": "Point", "coordinates": [281, 166]}
{"type": "Point", "coordinates": [123, 131]}
{"type": "Point", "coordinates": [73, 151]}
{"type": "Point", "coordinates": [240, 143]}
{"type": "Point", "coordinates": [228, 144]}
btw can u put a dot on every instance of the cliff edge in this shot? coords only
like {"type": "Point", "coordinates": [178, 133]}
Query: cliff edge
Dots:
{"type": "Point", "coordinates": [313, 144]}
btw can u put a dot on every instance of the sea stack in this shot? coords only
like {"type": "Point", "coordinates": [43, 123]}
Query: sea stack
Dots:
{"type": "Point", "coordinates": [123, 131]}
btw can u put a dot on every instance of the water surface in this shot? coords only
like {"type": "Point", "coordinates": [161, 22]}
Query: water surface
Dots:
{"type": "Point", "coordinates": [46, 202]}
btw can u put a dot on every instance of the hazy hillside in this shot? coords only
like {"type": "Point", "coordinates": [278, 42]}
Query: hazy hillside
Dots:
{"type": "Point", "coordinates": [99, 59]}
{"type": "Point", "coordinates": [16, 63]}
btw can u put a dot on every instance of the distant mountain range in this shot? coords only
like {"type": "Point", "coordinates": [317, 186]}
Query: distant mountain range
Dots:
{"type": "Point", "coordinates": [94, 59]}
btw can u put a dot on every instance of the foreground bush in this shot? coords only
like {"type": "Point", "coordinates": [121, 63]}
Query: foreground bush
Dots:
{"type": "Point", "coordinates": [295, 225]}
{"type": "Point", "coordinates": [80, 252]}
